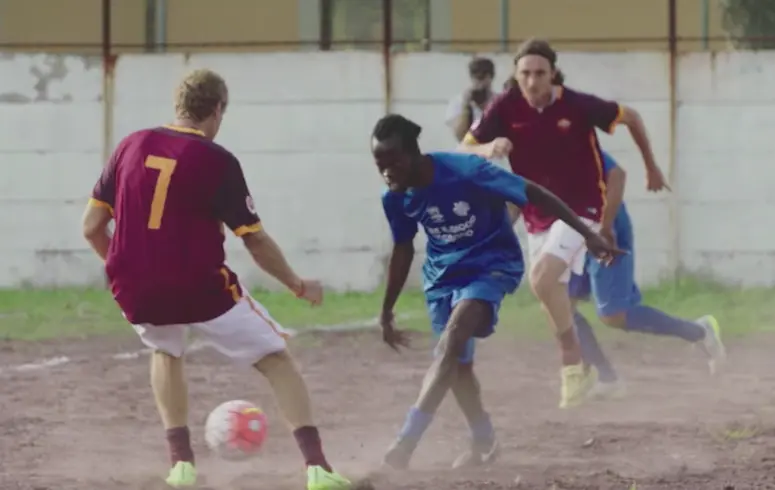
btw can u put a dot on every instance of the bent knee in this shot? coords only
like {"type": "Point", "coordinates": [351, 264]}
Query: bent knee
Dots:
{"type": "Point", "coordinates": [617, 320]}
{"type": "Point", "coordinates": [277, 361]}
{"type": "Point", "coordinates": [546, 273]}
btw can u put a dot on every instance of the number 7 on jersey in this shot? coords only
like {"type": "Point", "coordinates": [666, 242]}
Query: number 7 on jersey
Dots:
{"type": "Point", "coordinates": [166, 167]}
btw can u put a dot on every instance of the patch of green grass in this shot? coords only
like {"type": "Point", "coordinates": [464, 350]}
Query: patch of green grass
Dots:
{"type": "Point", "coordinates": [30, 314]}
{"type": "Point", "coordinates": [39, 314]}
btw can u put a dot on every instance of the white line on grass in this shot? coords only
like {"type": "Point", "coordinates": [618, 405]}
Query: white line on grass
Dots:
{"type": "Point", "coordinates": [195, 346]}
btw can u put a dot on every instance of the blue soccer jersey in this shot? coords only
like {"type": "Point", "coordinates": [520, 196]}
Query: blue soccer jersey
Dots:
{"type": "Point", "coordinates": [464, 216]}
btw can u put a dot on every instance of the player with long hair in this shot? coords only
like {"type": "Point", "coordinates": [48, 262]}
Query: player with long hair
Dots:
{"type": "Point", "coordinates": [548, 133]}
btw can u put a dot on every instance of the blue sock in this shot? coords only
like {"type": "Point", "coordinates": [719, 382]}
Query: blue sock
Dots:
{"type": "Point", "coordinates": [646, 319]}
{"type": "Point", "coordinates": [591, 351]}
{"type": "Point", "coordinates": [482, 429]}
{"type": "Point", "coordinates": [415, 425]}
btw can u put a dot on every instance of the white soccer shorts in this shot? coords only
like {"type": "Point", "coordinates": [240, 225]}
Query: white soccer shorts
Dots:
{"type": "Point", "coordinates": [245, 334]}
{"type": "Point", "coordinates": [561, 241]}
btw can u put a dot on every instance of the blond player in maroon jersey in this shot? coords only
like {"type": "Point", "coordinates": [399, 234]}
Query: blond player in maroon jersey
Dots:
{"type": "Point", "coordinates": [169, 191]}
{"type": "Point", "coordinates": [548, 132]}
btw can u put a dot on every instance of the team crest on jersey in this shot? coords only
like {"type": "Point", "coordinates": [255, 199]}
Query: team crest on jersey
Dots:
{"type": "Point", "coordinates": [461, 208]}
{"type": "Point", "coordinates": [563, 124]}
{"type": "Point", "coordinates": [250, 204]}
{"type": "Point", "coordinates": [434, 213]}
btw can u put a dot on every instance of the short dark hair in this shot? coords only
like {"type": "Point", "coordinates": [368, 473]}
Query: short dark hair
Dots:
{"type": "Point", "coordinates": [542, 48]}
{"type": "Point", "coordinates": [396, 125]}
{"type": "Point", "coordinates": [481, 66]}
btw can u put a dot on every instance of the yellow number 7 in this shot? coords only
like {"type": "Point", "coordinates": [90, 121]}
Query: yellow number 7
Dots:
{"type": "Point", "coordinates": [165, 166]}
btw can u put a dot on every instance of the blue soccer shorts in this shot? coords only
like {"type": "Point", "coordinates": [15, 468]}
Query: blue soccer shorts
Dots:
{"type": "Point", "coordinates": [491, 289]}
{"type": "Point", "coordinates": [612, 287]}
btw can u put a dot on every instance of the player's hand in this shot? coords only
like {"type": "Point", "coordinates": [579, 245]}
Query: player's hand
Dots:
{"type": "Point", "coordinates": [311, 291]}
{"type": "Point", "coordinates": [609, 234]}
{"type": "Point", "coordinates": [499, 148]}
{"type": "Point", "coordinates": [390, 334]}
{"type": "Point", "coordinates": [655, 180]}
{"type": "Point", "coordinates": [602, 249]}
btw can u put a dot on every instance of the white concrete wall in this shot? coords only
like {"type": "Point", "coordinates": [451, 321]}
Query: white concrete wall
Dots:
{"type": "Point", "coordinates": [300, 123]}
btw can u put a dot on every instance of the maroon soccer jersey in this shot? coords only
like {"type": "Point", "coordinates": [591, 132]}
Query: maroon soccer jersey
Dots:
{"type": "Point", "coordinates": [556, 147]}
{"type": "Point", "coordinates": [170, 191]}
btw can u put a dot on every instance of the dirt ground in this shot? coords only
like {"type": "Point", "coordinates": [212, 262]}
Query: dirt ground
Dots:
{"type": "Point", "coordinates": [91, 424]}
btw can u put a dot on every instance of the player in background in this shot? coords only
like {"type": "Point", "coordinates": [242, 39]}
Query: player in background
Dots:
{"type": "Point", "coordinates": [170, 190]}
{"type": "Point", "coordinates": [618, 299]}
{"type": "Point", "coordinates": [548, 133]}
{"type": "Point", "coordinates": [473, 260]}
{"type": "Point", "coordinates": [468, 107]}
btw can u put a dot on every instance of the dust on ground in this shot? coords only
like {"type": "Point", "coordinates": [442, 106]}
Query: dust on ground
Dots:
{"type": "Point", "coordinates": [91, 424]}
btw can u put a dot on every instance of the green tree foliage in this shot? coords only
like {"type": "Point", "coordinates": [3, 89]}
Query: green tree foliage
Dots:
{"type": "Point", "coordinates": [752, 20]}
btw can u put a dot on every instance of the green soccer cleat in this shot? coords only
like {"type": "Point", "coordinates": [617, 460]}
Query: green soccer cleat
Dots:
{"type": "Point", "coordinates": [182, 475]}
{"type": "Point", "coordinates": [320, 479]}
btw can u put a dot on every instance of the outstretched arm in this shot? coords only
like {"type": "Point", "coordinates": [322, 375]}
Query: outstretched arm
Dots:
{"type": "Point", "coordinates": [552, 205]}
{"type": "Point", "coordinates": [519, 191]}
{"type": "Point", "coordinates": [399, 264]}
{"type": "Point", "coordinates": [486, 136]}
{"type": "Point", "coordinates": [270, 258]}
{"type": "Point", "coordinates": [233, 205]}
{"type": "Point", "coordinates": [403, 229]}
{"type": "Point", "coordinates": [607, 114]}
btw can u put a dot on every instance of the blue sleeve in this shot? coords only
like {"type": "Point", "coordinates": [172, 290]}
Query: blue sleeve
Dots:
{"type": "Point", "coordinates": [509, 186]}
{"type": "Point", "coordinates": [608, 163]}
{"type": "Point", "coordinates": [402, 227]}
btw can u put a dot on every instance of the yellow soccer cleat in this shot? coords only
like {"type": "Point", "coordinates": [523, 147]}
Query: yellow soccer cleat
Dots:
{"type": "Point", "coordinates": [182, 475]}
{"type": "Point", "coordinates": [712, 344]}
{"type": "Point", "coordinates": [320, 479]}
{"type": "Point", "coordinates": [576, 384]}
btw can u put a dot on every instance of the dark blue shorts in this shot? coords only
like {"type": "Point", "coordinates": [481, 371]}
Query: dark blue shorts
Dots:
{"type": "Point", "coordinates": [612, 287]}
{"type": "Point", "coordinates": [491, 289]}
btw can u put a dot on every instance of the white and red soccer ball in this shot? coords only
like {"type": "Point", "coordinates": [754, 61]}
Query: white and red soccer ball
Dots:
{"type": "Point", "coordinates": [236, 430]}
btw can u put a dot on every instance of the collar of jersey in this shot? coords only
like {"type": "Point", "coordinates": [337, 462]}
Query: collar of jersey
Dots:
{"type": "Point", "coordinates": [181, 129]}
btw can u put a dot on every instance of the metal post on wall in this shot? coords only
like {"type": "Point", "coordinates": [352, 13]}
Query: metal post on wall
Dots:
{"type": "Point", "coordinates": [672, 174]}
{"type": "Point", "coordinates": [108, 64]}
{"type": "Point", "coordinates": [705, 24]}
{"type": "Point", "coordinates": [156, 25]}
{"type": "Point", "coordinates": [504, 25]}
{"type": "Point", "coordinates": [387, 44]}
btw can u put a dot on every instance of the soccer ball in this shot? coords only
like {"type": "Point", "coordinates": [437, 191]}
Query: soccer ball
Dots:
{"type": "Point", "coordinates": [236, 430]}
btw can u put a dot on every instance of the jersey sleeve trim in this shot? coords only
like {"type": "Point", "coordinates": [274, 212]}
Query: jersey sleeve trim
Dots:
{"type": "Point", "coordinates": [470, 139]}
{"type": "Point", "coordinates": [617, 119]}
{"type": "Point", "coordinates": [245, 229]}
{"type": "Point", "coordinates": [96, 203]}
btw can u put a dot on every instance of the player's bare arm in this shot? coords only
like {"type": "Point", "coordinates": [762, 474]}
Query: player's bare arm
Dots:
{"type": "Point", "coordinates": [634, 122]}
{"type": "Point", "coordinates": [95, 228]}
{"type": "Point", "coordinates": [270, 258]}
{"type": "Point", "coordinates": [514, 212]}
{"type": "Point", "coordinates": [551, 204]}
{"type": "Point", "coordinates": [614, 197]}
{"type": "Point", "coordinates": [399, 264]}
{"type": "Point", "coordinates": [486, 136]}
